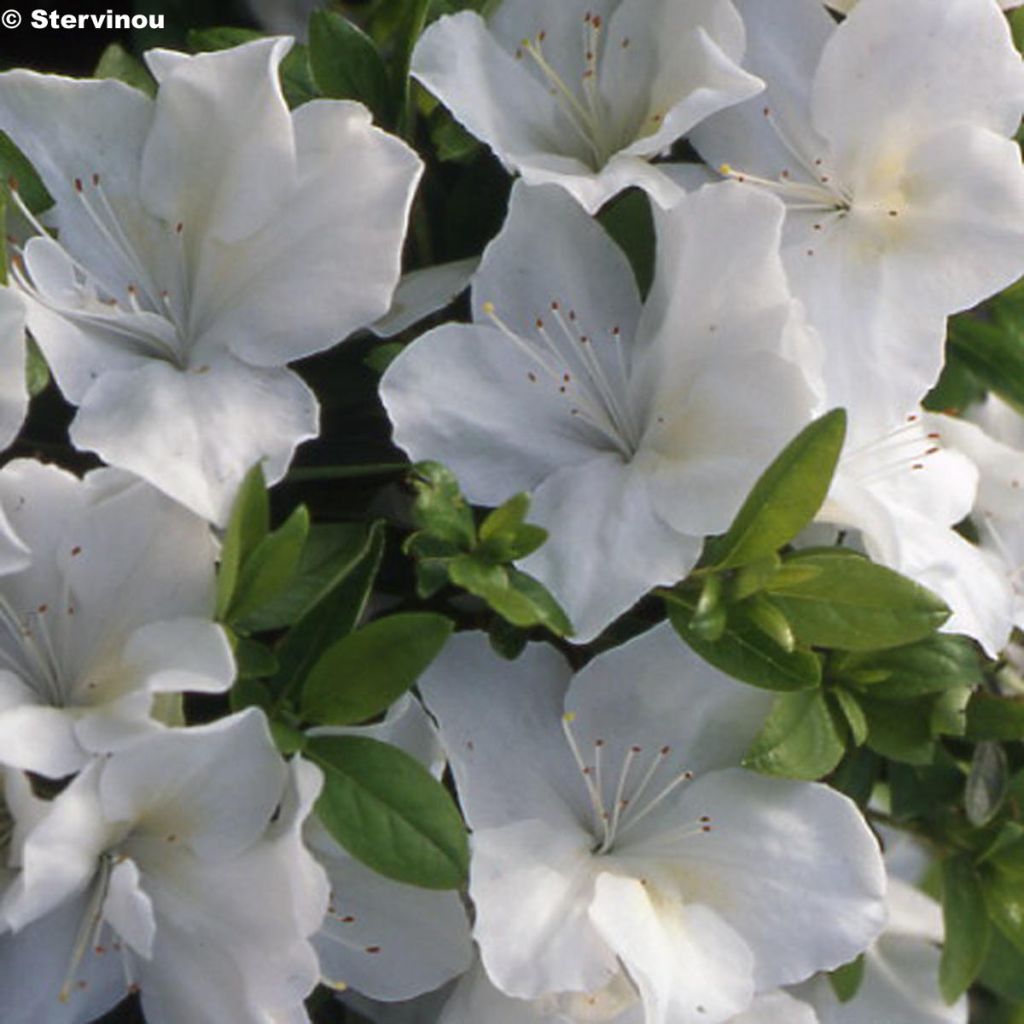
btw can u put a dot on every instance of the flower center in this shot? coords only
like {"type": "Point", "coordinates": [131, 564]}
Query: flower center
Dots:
{"type": "Point", "coordinates": [809, 185]}
{"type": "Point", "coordinates": [620, 802]}
{"type": "Point", "coordinates": [593, 382]}
{"type": "Point", "coordinates": [148, 317]}
{"type": "Point", "coordinates": [28, 649]}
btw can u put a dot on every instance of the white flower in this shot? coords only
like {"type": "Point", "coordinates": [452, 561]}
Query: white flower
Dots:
{"type": "Point", "coordinates": [611, 832]}
{"type": "Point", "coordinates": [204, 240]}
{"type": "Point", "coordinates": [994, 443]}
{"type": "Point", "coordinates": [639, 428]}
{"type": "Point", "coordinates": [845, 6]}
{"type": "Point", "coordinates": [13, 388]}
{"type": "Point", "coordinates": [901, 970]}
{"type": "Point", "coordinates": [176, 868]}
{"type": "Point", "coordinates": [381, 938]}
{"type": "Point", "coordinates": [110, 607]}
{"type": "Point", "coordinates": [890, 137]}
{"type": "Point", "coordinates": [583, 93]}
{"type": "Point", "coordinates": [904, 491]}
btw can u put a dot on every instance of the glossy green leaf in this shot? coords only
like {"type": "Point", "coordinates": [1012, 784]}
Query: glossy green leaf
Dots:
{"type": "Point", "coordinates": [995, 718]}
{"type": "Point", "coordinates": [504, 535]}
{"type": "Point", "coordinates": [367, 671]}
{"type": "Point", "coordinates": [854, 715]}
{"type": "Point", "coordinates": [548, 611]}
{"type": "Point", "coordinates": [992, 353]}
{"type": "Point", "coordinates": [248, 525]}
{"type": "Point", "coordinates": [332, 618]}
{"type": "Point", "coordinates": [785, 498]}
{"type": "Point", "coordinates": [117, 63]}
{"type": "Point", "coordinates": [900, 732]}
{"type": "Point", "coordinates": [439, 508]}
{"type": "Point", "coordinates": [389, 812]}
{"type": "Point", "coordinates": [968, 931]}
{"type": "Point", "coordinates": [846, 980]}
{"type": "Point", "coordinates": [37, 373]}
{"type": "Point", "coordinates": [801, 738]}
{"type": "Point", "coordinates": [1004, 898]}
{"type": "Point", "coordinates": [855, 605]}
{"type": "Point", "coordinates": [346, 64]}
{"type": "Point", "coordinates": [329, 554]}
{"type": "Point", "coordinates": [267, 572]}
{"type": "Point", "coordinates": [939, 662]}
{"type": "Point", "coordinates": [745, 652]}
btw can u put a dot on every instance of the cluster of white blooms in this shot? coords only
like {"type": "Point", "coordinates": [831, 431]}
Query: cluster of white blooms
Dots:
{"type": "Point", "coordinates": [624, 867]}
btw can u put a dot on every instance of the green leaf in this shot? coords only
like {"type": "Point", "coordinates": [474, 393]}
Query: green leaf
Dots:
{"type": "Point", "coordinates": [939, 662]}
{"type": "Point", "coordinates": [266, 573]}
{"type": "Point", "coordinates": [117, 63]}
{"type": "Point", "coordinates": [987, 783]}
{"type": "Point", "coordinates": [1004, 897]}
{"type": "Point", "coordinates": [17, 173]}
{"type": "Point", "coordinates": [900, 732]}
{"type": "Point", "coordinates": [771, 622]}
{"type": "Point", "coordinates": [439, 508]}
{"type": "Point", "coordinates": [846, 980]}
{"type": "Point", "coordinates": [254, 660]}
{"type": "Point", "coordinates": [248, 525]}
{"type": "Point", "coordinates": [504, 536]}
{"type": "Point", "coordinates": [37, 373]}
{"type": "Point", "coordinates": [346, 64]}
{"type": "Point", "coordinates": [548, 611]}
{"type": "Point", "coordinates": [800, 740]}
{"type": "Point", "coordinates": [329, 554]}
{"type": "Point", "coordinates": [745, 652]}
{"type": "Point", "coordinates": [367, 671]}
{"type": "Point", "coordinates": [1003, 972]}
{"type": "Point", "coordinates": [220, 37]}
{"type": "Point", "coordinates": [452, 142]}
{"type": "Point", "coordinates": [856, 605]}
{"type": "Point", "coordinates": [627, 218]}
{"type": "Point", "coordinates": [710, 616]}
{"type": "Point", "coordinates": [968, 932]}
{"type": "Point", "coordinates": [992, 353]}
{"type": "Point", "coordinates": [333, 617]}
{"type": "Point", "coordinates": [854, 715]}
{"type": "Point", "coordinates": [785, 498]}
{"type": "Point", "coordinates": [995, 718]}
{"type": "Point", "coordinates": [389, 812]}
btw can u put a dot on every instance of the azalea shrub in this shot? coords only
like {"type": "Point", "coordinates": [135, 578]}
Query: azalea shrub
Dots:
{"type": "Point", "coordinates": [513, 512]}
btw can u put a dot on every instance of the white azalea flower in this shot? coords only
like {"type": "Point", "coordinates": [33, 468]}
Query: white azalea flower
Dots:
{"type": "Point", "coordinates": [13, 387]}
{"type": "Point", "coordinates": [387, 940]}
{"type": "Point", "coordinates": [177, 869]}
{"type": "Point", "coordinates": [900, 984]}
{"type": "Point", "coordinates": [204, 240]}
{"type": "Point", "coordinates": [994, 442]}
{"type": "Point", "coordinates": [905, 491]}
{"type": "Point", "coordinates": [639, 428]}
{"type": "Point", "coordinates": [890, 137]}
{"type": "Point", "coordinates": [611, 832]}
{"type": "Point", "coordinates": [845, 6]}
{"type": "Point", "coordinates": [583, 93]}
{"type": "Point", "coordinates": [110, 607]}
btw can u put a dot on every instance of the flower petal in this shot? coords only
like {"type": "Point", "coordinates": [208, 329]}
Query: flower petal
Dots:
{"type": "Point", "coordinates": [328, 262]}
{"type": "Point", "coordinates": [791, 866]}
{"type": "Point", "coordinates": [220, 156]}
{"type": "Point", "coordinates": [607, 545]}
{"type": "Point", "coordinates": [532, 885]}
{"type": "Point", "coordinates": [226, 415]}
{"type": "Point", "coordinates": [689, 964]}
